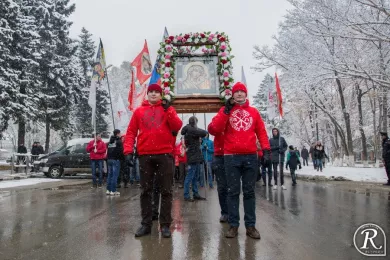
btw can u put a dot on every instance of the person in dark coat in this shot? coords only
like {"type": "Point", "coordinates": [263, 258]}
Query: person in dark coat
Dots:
{"type": "Point", "coordinates": [319, 155]}
{"type": "Point", "coordinates": [21, 149]}
{"type": "Point", "coordinates": [114, 155]}
{"type": "Point", "coordinates": [278, 149]}
{"type": "Point", "coordinates": [386, 155]}
{"type": "Point", "coordinates": [34, 154]}
{"type": "Point", "coordinates": [305, 156]}
{"type": "Point", "coordinates": [292, 162]}
{"type": "Point", "coordinates": [191, 135]}
{"type": "Point", "coordinates": [40, 148]}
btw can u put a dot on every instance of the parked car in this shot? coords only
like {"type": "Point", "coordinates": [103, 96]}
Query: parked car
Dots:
{"type": "Point", "coordinates": [71, 158]}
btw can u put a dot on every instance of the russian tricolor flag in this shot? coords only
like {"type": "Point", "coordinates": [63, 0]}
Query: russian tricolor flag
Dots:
{"type": "Point", "coordinates": [156, 77]}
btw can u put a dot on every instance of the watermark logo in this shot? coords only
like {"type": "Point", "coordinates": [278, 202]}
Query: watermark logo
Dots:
{"type": "Point", "coordinates": [370, 240]}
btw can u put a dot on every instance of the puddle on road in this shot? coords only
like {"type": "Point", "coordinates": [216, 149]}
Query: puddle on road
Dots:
{"type": "Point", "coordinates": [369, 193]}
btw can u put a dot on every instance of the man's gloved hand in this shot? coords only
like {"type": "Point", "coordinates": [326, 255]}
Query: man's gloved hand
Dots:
{"type": "Point", "coordinates": [267, 157]}
{"type": "Point", "coordinates": [174, 133]}
{"type": "Point", "coordinates": [229, 106]}
{"type": "Point", "coordinates": [129, 160]}
{"type": "Point", "coordinates": [165, 104]}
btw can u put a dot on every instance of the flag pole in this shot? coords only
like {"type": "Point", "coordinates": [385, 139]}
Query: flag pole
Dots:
{"type": "Point", "coordinates": [109, 93]}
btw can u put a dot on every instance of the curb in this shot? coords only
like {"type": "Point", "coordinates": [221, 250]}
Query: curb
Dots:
{"type": "Point", "coordinates": [10, 178]}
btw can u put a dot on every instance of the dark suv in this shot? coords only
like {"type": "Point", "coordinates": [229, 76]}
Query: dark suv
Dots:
{"type": "Point", "coordinates": [72, 158]}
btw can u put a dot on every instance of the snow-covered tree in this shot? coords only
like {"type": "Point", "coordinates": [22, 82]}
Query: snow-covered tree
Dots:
{"type": "Point", "coordinates": [18, 60]}
{"type": "Point", "coordinates": [59, 70]}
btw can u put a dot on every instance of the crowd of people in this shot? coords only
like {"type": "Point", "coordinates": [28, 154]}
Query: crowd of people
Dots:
{"type": "Point", "coordinates": [240, 155]}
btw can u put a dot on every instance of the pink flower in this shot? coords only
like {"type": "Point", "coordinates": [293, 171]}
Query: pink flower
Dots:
{"type": "Point", "coordinates": [211, 35]}
{"type": "Point", "coordinates": [223, 47]}
{"type": "Point", "coordinates": [166, 75]}
{"type": "Point", "coordinates": [228, 92]}
{"type": "Point", "coordinates": [226, 74]}
{"type": "Point", "coordinates": [223, 54]}
{"type": "Point", "coordinates": [210, 39]}
{"type": "Point", "coordinates": [166, 91]}
{"type": "Point", "coordinates": [184, 40]}
{"type": "Point", "coordinates": [179, 38]}
{"type": "Point", "coordinates": [169, 48]}
{"type": "Point", "coordinates": [167, 57]}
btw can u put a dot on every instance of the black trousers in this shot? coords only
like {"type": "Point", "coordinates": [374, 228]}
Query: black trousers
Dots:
{"type": "Point", "coordinates": [124, 174]}
{"type": "Point", "coordinates": [182, 172]}
{"type": "Point", "coordinates": [305, 162]}
{"type": "Point", "coordinates": [293, 175]}
{"type": "Point", "coordinates": [156, 169]}
{"type": "Point", "coordinates": [275, 170]}
{"type": "Point", "coordinates": [387, 168]}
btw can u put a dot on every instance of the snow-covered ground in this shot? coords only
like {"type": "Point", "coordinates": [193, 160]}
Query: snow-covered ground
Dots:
{"type": "Point", "coordinates": [350, 173]}
{"type": "Point", "coordinates": [25, 182]}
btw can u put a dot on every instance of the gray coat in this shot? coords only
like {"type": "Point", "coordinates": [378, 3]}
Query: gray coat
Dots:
{"type": "Point", "coordinates": [278, 148]}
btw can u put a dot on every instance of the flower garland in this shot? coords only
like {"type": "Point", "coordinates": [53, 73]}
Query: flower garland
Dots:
{"type": "Point", "coordinates": [185, 44]}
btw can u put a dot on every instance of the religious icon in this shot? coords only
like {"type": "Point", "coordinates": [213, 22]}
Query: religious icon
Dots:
{"type": "Point", "coordinates": [196, 77]}
{"type": "Point", "coordinates": [146, 67]}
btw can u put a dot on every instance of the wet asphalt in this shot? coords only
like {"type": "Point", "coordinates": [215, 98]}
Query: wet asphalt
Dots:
{"type": "Point", "coordinates": [309, 221]}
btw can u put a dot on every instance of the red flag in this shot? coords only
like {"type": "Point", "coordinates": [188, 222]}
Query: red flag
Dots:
{"type": "Point", "coordinates": [140, 73]}
{"type": "Point", "coordinates": [279, 94]}
{"type": "Point", "coordinates": [142, 64]}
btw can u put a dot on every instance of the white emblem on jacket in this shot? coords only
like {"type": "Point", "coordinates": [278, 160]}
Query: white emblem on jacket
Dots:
{"type": "Point", "coordinates": [241, 120]}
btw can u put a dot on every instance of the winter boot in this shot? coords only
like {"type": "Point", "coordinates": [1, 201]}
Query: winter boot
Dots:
{"type": "Point", "coordinates": [143, 231]}
{"type": "Point", "coordinates": [232, 233]}
{"type": "Point", "coordinates": [252, 232]}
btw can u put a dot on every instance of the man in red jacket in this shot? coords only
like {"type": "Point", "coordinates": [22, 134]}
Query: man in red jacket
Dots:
{"type": "Point", "coordinates": [152, 125]}
{"type": "Point", "coordinates": [241, 125]}
{"type": "Point", "coordinates": [97, 152]}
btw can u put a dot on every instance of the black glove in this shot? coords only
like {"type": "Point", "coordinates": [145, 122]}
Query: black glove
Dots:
{"type": "Point", "coordinates": [229, 106]}
{"type": "Point", "coordinates": [267, 157]}
{"type": "Point", "coordinates": [166, 104]}
{"type": "Point", "coordinates": [129, 160]}
{"type": "Point", "coordinates": [174, 133]}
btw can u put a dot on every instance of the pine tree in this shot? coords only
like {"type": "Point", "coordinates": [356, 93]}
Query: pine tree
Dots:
{"type": "Point", "coordinates": [83, 113]}
{"type": "Point", "coordinates": [260, 100]}
{"type": "Point", "coordinates": [18, 80]}
{"type": "Point", "coordinates": [60, 73]}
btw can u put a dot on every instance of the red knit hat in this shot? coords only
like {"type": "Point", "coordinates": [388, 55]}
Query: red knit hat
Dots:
{"type": "Point", "coordinates": [239, 86]}
{"type": "Point", "coordinates": [155, 87]}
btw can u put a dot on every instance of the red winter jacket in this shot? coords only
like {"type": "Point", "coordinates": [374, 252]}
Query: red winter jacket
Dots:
{"type": "Point", "coordinates": [180, 149]}
{"type": "Point", "coordinates": [101, 150]}
{"type": "Point", "coordinates": [218, 140]}
{"type": "Point", "coordinates": [240, 129]}
{"type": "Point", "coordinates": [153, 128]}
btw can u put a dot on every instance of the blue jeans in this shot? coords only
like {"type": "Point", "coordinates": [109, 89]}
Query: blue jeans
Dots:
{"type": "Point", "coordinates": [219, 167]}
{"type": "Point", "coordinates": [191, 178]}
{"type": "Point", "coordinates": [200, 175]}
{"type": "Point", "coordinates": [113, 167]}
{"type": "Point", "coordinates": [241, 167]}
{"type": "Point", "coordinates": [94, 164]}
{"type": "Point", "coordinates": [135, 171]}
{"type": "Point", "coordinates": [318, 163]}
{"type": "Point", "coordinates": [210, 174]}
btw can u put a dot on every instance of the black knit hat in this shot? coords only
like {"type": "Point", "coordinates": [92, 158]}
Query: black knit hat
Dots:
{"type": "Point", "coordinates": [116, 131]}
{"type": "Point", "coordinates": [383, 133]}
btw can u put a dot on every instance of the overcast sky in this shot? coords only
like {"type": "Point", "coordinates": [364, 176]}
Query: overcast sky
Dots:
{"type": "Point", "coordinates": [123, 25]}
